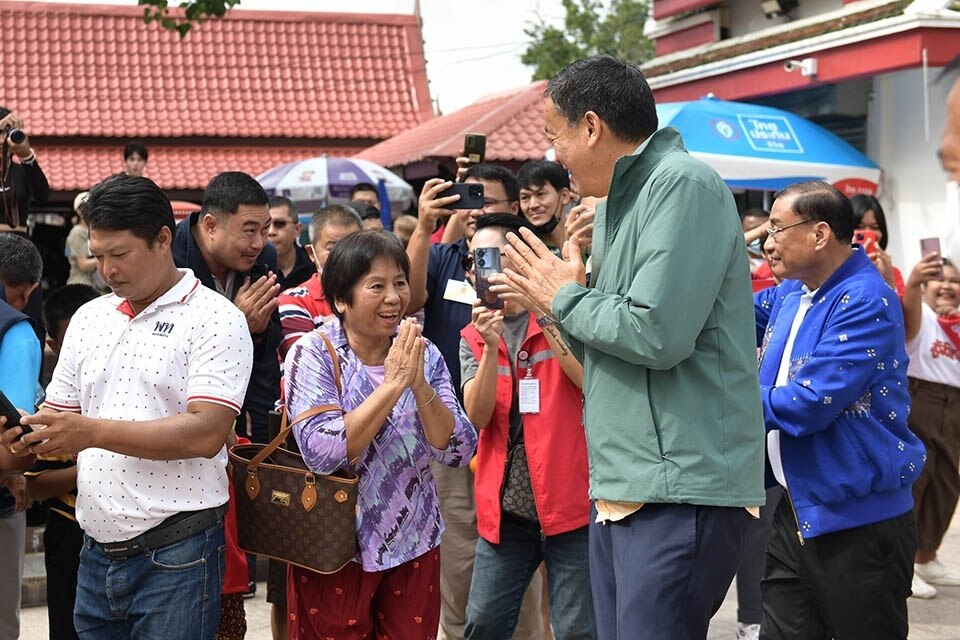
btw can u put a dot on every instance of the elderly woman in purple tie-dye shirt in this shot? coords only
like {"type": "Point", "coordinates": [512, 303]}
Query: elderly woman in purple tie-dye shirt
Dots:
{"type": "Point", "coordinates": [400, 412]}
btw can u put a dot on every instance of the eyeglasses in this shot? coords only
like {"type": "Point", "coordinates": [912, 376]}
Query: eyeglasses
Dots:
{"type": "Point", "coordinates": [772, 231]}
{"type": "Point", "coordinates": [492, 202]}
{"type": "Point", "coordinates": [279, 223]}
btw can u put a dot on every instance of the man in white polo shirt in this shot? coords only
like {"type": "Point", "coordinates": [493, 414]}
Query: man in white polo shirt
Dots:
{"type": "Point", "coordinates": [148, 385]}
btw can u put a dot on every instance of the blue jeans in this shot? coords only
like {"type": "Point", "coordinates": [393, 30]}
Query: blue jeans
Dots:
{"type": "Point", "coordinates": [170, 592]}
{"type": "Point", "coordinates": [501, 573]}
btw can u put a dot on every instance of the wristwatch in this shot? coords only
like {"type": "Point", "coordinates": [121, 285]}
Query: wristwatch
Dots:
{"type": "Point", "coordinates": [545, 320]}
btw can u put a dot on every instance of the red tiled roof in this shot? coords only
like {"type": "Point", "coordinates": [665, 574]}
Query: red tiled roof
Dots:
{"type": "Point", "coordinates": [188, 167]}
{"type": "Point", "coordinates": [98, 70]}
{"type": "Point", "coordinates": [512, 122]}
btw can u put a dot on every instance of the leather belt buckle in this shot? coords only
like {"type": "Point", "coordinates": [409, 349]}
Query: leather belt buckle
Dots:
{"type": "Point", "coordinates": [122, 550]}
{"type": "Point", "coordinates": [174, 529]}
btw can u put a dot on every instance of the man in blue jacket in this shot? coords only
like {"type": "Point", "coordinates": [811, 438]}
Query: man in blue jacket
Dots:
{"type": "Point", "coordinates": [834, 390]}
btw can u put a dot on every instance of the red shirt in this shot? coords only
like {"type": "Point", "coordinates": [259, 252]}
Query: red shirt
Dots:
{"type": "Point", "coordinates": [302, 309]}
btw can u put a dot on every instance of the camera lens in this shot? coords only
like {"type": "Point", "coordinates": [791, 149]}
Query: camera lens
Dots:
{"type": "Point", "coordinates": [16, 136]}
{"type": "Point", "coordinates": [481, 262]}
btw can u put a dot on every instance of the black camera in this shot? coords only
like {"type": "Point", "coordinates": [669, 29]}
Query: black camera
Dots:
{"type": "Point", "coordinates": [16, 136]}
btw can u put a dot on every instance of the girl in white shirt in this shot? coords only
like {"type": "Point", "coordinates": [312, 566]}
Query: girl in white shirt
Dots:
{"type": "Point", "coordinates": [932, 327]}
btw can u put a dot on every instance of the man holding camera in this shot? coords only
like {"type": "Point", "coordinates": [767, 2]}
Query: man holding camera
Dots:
{"type": "Point", "coordinates": [21, 182]}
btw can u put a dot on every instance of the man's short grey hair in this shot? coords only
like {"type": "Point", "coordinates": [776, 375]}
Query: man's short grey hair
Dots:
{"type": "Point", "coordinates": [334, 214]}
{"type": "Point", "coordinates": [20, 261]}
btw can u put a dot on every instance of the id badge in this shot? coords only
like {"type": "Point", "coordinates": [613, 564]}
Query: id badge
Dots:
{"type": "Point", "coordinates": [459, 291]}
{"type": "Point", "coordinates": [529, 395]}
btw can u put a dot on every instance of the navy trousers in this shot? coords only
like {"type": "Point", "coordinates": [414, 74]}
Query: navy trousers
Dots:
{"type": "Point", "coordinates": [662, 573]}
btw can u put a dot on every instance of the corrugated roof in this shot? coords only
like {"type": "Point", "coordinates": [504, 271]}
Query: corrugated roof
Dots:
{"type": "Point", "coordinates": [512, 122]}
{"type": "Point", "coordinates": [98, 70]}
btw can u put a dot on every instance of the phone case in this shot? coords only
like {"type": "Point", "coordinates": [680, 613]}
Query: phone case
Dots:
{"type": "Point", "coordinates": [471, 195]}
{"type": "Point", "coordinates": [475, 147]}
{"type": "Point", "coordinates": [486, 262]}
{"type": "Point", "coordinates": [928, 246]}
{"type": "Point", "coordinates": [12, 415]}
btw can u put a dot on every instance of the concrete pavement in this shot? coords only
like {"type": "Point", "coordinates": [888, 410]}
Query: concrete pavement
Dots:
{"type": "Point", "coordinates": [937, 619]}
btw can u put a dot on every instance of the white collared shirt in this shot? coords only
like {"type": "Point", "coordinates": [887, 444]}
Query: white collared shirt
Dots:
{"type": "Point", "coordinates": [191, 344]}
{"type": "Point", "coordinates": [783, 377]}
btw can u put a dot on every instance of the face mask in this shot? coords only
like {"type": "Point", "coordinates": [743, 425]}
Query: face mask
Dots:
{"type": "Point", "coordinates": [755, 246]}
{"type": "Point", "coordinates": [547, 227]}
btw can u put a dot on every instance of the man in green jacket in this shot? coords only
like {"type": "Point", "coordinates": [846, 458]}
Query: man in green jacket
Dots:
{"type": "Point", "coordinates": [665, 332]}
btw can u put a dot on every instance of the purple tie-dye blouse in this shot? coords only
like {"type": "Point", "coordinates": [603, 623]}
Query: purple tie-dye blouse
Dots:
{"type": "Point", "coordinates": [399, 512]}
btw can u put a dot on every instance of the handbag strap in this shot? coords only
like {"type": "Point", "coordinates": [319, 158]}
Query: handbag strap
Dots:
{"type": "Point", "coordinates": [285, 428]}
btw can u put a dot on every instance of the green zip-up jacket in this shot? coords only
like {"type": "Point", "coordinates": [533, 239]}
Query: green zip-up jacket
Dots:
{"type": "Point", "coordinates": [667, 339]}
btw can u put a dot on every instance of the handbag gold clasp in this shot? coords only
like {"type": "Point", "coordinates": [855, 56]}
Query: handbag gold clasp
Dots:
{"type": "Point", "coordinates": [340, 496]}
{"type": "Point", "coordinates": [281, 498]}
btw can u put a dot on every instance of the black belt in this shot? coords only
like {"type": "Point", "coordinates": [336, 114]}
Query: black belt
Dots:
{"type": "Point", "coordinates": [174, 529]}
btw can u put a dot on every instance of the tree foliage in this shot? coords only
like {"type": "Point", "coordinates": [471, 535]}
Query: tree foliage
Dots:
{"type": "Point", "coordinates": [589, 28]}
{"type": "Point", "coordinates": [194, 12]}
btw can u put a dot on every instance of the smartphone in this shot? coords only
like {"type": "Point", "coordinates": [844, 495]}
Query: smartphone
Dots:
{"type": "Point", "coordinates": [486, 262]}
{"type": "Point", "coordinates": [475, 147]}
{"type": "Point", "coordinates": [471, 195]}
{"type": "Point", "coordinates": [8, 411]}
{"type": "Point", "coordinates": [928, 246]}
{"type": "Point", "coordinates": [868, 239]}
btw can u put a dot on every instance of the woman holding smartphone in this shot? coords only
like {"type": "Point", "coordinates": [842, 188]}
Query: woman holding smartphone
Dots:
{"type": "Point", "coordinates": [932, 328]}
{"type": "Point", "coordinates": [870, 231]}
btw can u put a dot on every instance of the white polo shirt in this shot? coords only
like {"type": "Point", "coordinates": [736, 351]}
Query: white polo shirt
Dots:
{"type": "Point", "coordinates": [189, 344]}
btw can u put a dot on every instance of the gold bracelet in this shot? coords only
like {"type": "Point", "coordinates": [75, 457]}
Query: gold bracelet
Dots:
{"type": "Point", "coordinates": [432, 398]}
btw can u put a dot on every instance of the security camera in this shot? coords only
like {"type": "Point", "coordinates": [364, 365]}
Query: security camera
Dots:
{"type": "Point", "coordinates": [807, 66]}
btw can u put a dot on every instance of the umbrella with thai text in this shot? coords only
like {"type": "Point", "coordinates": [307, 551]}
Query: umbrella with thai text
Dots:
{"type": "Point", "coordinates": [762, 148]}
{"type": "Point", "coordinates": [315, 182]}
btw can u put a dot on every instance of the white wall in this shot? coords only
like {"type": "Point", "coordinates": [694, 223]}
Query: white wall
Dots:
{"type": "Point", "coordinates": [914, 185]}
{"type": "Point", "coordinates": [746, 17]}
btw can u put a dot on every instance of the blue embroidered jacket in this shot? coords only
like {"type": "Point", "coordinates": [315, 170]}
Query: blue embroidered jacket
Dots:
{"type": "Point", "coordinates": [848, 457]}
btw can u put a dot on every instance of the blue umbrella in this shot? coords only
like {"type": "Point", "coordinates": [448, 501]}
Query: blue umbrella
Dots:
{"type": "Point", "coordinates": [762, 148]}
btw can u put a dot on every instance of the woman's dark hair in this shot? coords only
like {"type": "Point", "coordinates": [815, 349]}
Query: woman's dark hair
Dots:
{"type": "Point", "coordinates": [862, 203]}
{"type": "Point", "coordinates": [353, 257]}
{"type": "Point", "coordinates": [817, 200]}
{"type": "Point", "coordinates": [129, 203]}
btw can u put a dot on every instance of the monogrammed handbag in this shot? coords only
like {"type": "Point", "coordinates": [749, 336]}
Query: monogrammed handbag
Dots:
{"type": "Point", "coordinates": [287, 512]}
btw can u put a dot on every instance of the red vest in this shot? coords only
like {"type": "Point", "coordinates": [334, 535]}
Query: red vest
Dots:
{"type": "Point", "coordinates": [554, 439]}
